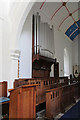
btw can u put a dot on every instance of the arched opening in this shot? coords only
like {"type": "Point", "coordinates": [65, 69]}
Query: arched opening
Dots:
{"type": "Point", "coordinates": [66, 62]}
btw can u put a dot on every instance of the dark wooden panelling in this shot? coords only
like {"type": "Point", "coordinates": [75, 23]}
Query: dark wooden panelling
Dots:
{"type": "Point", "coordinates": [40, 73]}
{"type": "Point", "coordinates": [56, 69]}
{"type": "Point", "coordinates": [41, 66]}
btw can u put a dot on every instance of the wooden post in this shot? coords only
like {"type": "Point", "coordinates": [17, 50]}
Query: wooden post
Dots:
{"type": "Point", "coordinates": [18, 67]}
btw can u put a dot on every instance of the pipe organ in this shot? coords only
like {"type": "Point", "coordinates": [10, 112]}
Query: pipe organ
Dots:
{"type": "Point", "coordinates": [43, 48]}
{"type": "Point", "coordinates": [43, 38]}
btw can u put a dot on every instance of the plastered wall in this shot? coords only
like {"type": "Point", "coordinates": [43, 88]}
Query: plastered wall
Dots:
{"type": "Point", "coordinates": [61, 42]}
{"type": "Point", "coordinates": [25, 45]}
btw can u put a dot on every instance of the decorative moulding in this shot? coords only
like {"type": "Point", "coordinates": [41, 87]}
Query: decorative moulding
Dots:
{"type": "Point", "coordinates": [15, 54]}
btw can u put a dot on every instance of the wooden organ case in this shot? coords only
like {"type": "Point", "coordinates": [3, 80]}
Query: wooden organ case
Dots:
{"type": "Point", "coordinates": [42, 49]}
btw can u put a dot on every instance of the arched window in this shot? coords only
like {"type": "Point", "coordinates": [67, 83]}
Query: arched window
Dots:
{"type": "Point", "coordinates": [66, 62]}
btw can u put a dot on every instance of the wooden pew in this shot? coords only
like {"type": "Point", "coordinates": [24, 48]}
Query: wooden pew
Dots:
{"type": "Point", "coordinates": [3, 89]}
{"type": "Point", "coordinates": [23, 102]}
{"type": "Point", "coordinates": [73, 80]}
{"type": "Point", "coordinates": [58, 99]}
{"type": "Point", "coordinates": [53, 102]}
{"type": "Point", "coordinates": [63, 81]}
{"type": "Point", "coordinates": [43, 85]}
{"type": "Point", "coordinates": [4, 101]}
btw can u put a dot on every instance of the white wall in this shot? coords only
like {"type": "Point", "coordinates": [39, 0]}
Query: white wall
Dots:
{"type": "Point", "coordinates": [12, 21]}
{"type": "Point", "coordinates": [26, 49]}
{"type": "Point", "coordinates": [61, 42]}
{"type": "Point", "coordinates": [66, 62]}
{"type": "Point", "coordinates": [1, 37]}
{"type": "Point", "coordinates": [75, 52]}
{"type": "Point", "coordinates": [1, 50]}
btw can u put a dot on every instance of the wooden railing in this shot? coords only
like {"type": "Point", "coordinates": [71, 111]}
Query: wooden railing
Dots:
{"type": "Point", "coordinates": [58, 99]}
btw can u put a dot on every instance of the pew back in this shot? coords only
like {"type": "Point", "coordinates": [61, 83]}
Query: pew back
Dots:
{"type": "Point", "coordinates": [43, 85]}
{"type": "Point", "coordinates": [3, 89]}
{"type": "Point", "coordinates": [58, 99]}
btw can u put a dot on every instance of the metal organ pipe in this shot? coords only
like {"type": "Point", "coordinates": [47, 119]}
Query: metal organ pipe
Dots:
{"type": "Point", "coordinates": [35, 34]}
{"type": "Point", "coordinates": [52, 41]}
{"type": "Point", "coordinates": [38, 33]}
{"type": "Point", "coordinates": [43, 38]}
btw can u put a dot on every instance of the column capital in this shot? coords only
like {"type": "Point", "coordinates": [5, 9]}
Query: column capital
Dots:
{"type": "Point", "coordinates": [15, 54]}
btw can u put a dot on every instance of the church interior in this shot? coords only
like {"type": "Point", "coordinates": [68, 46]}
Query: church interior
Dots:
{"type": "Point", "coordinates": [39, 59]}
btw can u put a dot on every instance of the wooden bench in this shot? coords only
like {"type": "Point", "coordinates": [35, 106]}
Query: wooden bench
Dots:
{"type": "Point", "coordinates": [3, 89]}
{"type": "Point", "coordinates": [43, 85]}
{"type": "Point", "coordinates": [63, 81]}
{"type": "Point", "coordinates": [23, 102]}
{"type": "Point", "coordinates": [58, 99]}
{"type": "Point", "coordinates": [4, 101]}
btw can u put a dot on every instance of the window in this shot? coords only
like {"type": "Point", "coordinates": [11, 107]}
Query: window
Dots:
{"type": "Point", "coordinates": [66, 62]}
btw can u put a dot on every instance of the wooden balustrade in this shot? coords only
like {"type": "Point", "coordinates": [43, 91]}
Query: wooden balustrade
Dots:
{"type": "Point", "coordinates": [58, 99]}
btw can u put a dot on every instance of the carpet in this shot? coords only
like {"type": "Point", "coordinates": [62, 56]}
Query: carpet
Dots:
{"type": "Point", "coordinates": [73, 113]}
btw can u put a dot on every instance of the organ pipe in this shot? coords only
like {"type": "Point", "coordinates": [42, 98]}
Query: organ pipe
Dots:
{"type": "Point", "coordinates": [38, 33]}
{"type": "Point", "coordinates": [35, 35]}
{"type": "Point", "coordinates": [43, 38]}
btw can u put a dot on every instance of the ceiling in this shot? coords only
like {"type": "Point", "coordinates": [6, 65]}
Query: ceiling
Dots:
{"type": "Point", "coordinates": [65, 15]}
